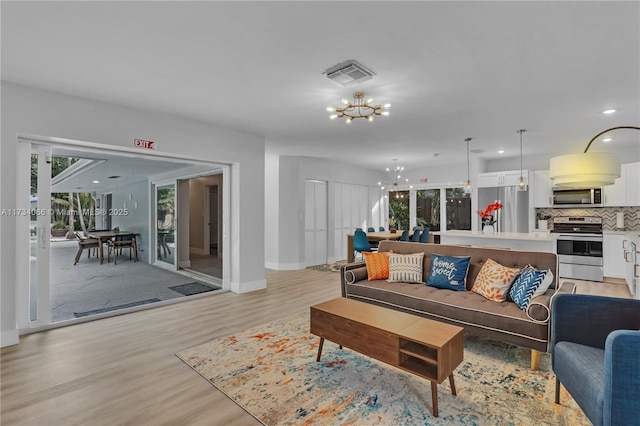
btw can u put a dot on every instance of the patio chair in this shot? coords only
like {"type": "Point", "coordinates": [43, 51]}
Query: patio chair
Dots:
{"type": "Point", "coordinates": [120, 242]}
{"type": "Point", "coordinates": [86, 244]}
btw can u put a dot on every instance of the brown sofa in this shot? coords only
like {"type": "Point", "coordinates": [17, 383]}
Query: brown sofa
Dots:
{"type": "Point", "coordinates": [503, 321]}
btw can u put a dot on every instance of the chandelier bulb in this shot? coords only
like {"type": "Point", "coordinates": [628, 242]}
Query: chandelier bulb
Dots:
{"type": "Point", "coordinates": [333, 116]}
{"type": "Point", "coordinates": [331, 109]}
{"type": "Point", "coordinates": [348, 120]}
{"type": "Point", "coordinates": [370, 118]}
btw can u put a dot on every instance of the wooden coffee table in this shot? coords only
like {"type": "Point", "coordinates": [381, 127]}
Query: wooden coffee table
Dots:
{"type": "Point", "coordinates": [426, 348]}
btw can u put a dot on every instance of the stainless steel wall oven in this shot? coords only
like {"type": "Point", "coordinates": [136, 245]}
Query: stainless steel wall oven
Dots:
{"type": "Point", "coordinates": [579, 247]}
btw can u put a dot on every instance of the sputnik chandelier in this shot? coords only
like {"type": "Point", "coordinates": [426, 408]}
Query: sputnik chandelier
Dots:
{"type": "Point", "coordinates": [358, 108]}
{"type": "Point", "coordinates": [394, 179]}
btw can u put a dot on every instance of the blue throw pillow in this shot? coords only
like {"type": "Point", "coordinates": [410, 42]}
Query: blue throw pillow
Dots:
{"type": "Point", "coordinates": [526, 284]}
{"type": "Point", "coordinates": [448, 272]}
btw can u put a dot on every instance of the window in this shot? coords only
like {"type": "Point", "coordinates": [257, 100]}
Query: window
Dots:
{"type": "Point", "coordinates": [399, 208]}
{"type": "Point", "coordinates": [458, 209]}
{"type": "Point", "coordinates": [428, 208]}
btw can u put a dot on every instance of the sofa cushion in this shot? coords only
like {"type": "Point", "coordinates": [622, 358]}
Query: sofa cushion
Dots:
{"type": "Point", "coordinates": [462, 308]}
{"type": "Point", "coordinates": [527, 284]}
{"type": "Point", "coordinates": [494, 281]}
{"type": "Point", "coordinates": [448, 272]}
{"type": "Point", "coordinates": [405, 268]}
{"type": "Point", "coordinates": [377, 265]}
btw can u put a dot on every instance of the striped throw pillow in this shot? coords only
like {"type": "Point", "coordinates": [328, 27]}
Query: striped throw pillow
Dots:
{"type": "Point", "coordinates": [405, 268]}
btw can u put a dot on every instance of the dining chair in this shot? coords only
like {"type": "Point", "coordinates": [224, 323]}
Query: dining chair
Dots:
{"type": "Point", "coordinates": [360, 243]}
{"type": "Point", "coordinates": [371, 229]}
{"type": "Point", "coordinates": [416, 236]}
{"type": "Point", "coordinates": [424, 237]}
{"type": "Point", "coordinates": [381, 228]}
{"type": "Point", "coordinates": [405, 235]}
{"type": "Point", "coordinates": [85, 243]}
{"type": "Point", "coordinates": [120, 242]}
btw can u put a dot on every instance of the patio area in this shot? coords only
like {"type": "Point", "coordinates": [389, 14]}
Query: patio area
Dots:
{"type": "Point", "coordinates": [89, 288]}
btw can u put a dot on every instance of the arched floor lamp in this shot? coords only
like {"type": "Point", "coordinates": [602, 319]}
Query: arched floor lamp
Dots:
{"type": "Point", "coordinates": [586, 170]}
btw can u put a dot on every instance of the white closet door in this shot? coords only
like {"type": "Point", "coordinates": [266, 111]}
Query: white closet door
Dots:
{"type": "Point", "coordinates": [315, 234]}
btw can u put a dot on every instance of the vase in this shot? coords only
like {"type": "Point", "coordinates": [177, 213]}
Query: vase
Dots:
{"type": "Point", "coordinates": [488, 229]}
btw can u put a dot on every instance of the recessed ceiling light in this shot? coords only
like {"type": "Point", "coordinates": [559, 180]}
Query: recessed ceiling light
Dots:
{"type": "Point", "coordinates": [95, 181]}
{"type": "Point", "coordinates": [501, 151]}
{"type": "Point", "coordinates": [607, 140]}
{"type": "Point", "coordinates": [609, 111]}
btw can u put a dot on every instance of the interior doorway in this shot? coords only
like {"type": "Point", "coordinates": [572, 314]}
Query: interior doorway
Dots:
{"type": "Point", "coordinates": [206, 248]}
{"type": "Point", "coordinates": [118, 187]}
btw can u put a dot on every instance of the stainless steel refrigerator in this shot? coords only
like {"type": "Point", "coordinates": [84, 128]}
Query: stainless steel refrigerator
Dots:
{"type": "Point", "coordinates": [514, 214]}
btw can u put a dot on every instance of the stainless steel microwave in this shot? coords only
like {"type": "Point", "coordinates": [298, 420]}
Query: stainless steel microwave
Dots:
{"type": "Point", "coordinates": [577, 197]}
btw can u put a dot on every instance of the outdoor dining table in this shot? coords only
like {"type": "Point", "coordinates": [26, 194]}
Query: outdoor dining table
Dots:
{"type": "Point", "coordinates": [103, 236]}
{"type": "Point", "coordinates": [371, 236]}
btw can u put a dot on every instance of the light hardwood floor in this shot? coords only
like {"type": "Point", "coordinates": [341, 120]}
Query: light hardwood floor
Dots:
{"type": "Point", "coordinates": [123, 370]}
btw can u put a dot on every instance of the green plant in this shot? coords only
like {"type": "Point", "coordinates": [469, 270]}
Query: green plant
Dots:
{"type": "Point", "coordinates": [59, 224]}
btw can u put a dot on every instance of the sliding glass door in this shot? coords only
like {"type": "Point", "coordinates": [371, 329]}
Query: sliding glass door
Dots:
{"type": "Point", "coordinates": [166, 225]}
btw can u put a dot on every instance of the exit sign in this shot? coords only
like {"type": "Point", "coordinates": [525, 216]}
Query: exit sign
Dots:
{"type": "Point", "coordinates": [139, 143]}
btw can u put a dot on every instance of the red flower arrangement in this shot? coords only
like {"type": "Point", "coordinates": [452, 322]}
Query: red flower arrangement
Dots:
{"type": "Point", "coordinates": [486, 214]}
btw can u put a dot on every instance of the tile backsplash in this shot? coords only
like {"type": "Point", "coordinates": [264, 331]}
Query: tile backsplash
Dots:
{"type": "Point", "coordinates": [608, 215]}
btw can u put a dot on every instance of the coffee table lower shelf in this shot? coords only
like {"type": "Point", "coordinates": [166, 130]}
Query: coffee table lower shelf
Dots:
{"type": "Point", "coordinates": [426, 348]}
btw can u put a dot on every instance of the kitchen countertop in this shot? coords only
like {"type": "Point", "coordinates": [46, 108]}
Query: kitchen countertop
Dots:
{"type": "Point", "coordinates": [537, 236]}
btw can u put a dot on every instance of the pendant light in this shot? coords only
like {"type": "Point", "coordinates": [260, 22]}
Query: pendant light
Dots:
{"type": "Point", "coordinates": [522, 185]}
{"type": "Point", "coordinates": [467, 187]}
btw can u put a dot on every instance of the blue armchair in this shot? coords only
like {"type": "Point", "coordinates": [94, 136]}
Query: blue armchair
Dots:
{"type": "Point", "coordinates": [595, 349]}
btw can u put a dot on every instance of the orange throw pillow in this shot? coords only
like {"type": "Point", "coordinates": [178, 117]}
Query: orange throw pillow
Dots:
{"type": "Point", "coordinates": [494, 281]}
{"type": "Point", "coordinates": [377, 265]}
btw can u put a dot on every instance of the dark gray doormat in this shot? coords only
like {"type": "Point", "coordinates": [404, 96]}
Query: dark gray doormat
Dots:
{"type": "Point", "coordinates": [192, 288]}
{"type": "Point", "coordinates": [114, 308]}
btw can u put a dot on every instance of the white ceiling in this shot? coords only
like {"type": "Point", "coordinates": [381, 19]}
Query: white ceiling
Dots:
{"type": "Point", "coordinates": [103, 171]}
{"type": "Point", "coordinates": [451, 70]}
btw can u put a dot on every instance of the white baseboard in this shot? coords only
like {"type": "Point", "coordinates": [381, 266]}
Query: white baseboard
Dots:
{"type": "Point", "coordinates": [9, 338]}
{"type": "Point", "coordinates": [247, 287]}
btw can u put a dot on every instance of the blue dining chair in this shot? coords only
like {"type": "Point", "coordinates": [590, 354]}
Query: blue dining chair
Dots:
{"type": "Point", "coordinates": [424, 237]}
{"type": "Point", "coordinates": [416, 236]}
{"type": "Point", "coordinates": [381, 229]}
{"type": "Point", "coordinates": [405, 235]}
{"type": "Point", "coordinates": [361, 244]}
{"type": "Point", "coordinates": [371, 229]}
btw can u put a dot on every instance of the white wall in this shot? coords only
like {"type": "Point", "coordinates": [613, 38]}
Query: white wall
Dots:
{"type": "Point", "coordinates": [284, 220]}
{"type": "Point", "coordinates": [30, 111]}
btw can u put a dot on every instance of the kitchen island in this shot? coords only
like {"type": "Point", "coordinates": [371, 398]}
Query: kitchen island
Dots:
{"type": "Point", "coordinates": [533, 241]}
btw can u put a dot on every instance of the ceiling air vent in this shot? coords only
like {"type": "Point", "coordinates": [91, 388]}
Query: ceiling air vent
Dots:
{"type": "Point", "coordinates": [349, 73]}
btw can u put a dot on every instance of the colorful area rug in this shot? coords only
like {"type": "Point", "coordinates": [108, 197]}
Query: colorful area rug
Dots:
{"type": "Point", "coordinates": [272, 373]}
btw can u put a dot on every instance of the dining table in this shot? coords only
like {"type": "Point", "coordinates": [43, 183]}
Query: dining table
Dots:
{"type": "Point", "coordinates": [374, 237]}
{"type": "Point", "coordinates": [104, 236]}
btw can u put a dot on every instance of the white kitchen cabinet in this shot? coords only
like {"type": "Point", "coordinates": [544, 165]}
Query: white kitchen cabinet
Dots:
{"type": "Point", "coordinates": [615, 195]}
{"type": "Point", "coordinates": [626, 189]}
{"type": "Point", "coordinates": [632, 171]}
{"type": "Point", "coordinates": [542, 189]}
{"type": "Point", "coordinates": [508, 178]}
{"type": "Point", "coordinates": [613, 256]}
{"type": "Point", "coordinates": [631, 257]}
